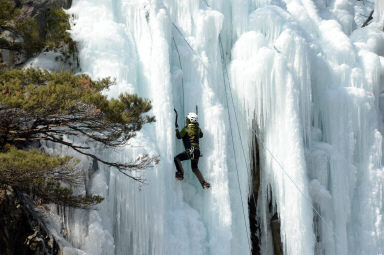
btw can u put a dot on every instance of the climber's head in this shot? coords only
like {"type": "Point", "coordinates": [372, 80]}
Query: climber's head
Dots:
{"type": "Point", "coordinates": [192, 118]}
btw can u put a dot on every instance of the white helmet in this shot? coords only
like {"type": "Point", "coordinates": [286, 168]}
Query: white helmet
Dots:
{"type": "Point", "coordinates": [192, 117]}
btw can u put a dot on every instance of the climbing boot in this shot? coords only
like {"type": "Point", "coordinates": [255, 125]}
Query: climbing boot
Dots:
{"type": "Point", "coordinates": [205, 185]}
{"type": "Point", "coordinates": [179, 175]}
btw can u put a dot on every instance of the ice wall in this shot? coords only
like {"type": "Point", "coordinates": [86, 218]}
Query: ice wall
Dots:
{"type": "Point", "coordinates": [379, 12]}
{"type": "Point", "coordinates": [295, 69]}
{"type": "Point", "coordinates": [314, 92]}
{"type": "Point", "coordinates": [137, 42]}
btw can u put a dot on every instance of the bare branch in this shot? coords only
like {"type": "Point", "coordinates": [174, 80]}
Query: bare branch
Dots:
{"type": "Point", "coordinates": [141, 163]}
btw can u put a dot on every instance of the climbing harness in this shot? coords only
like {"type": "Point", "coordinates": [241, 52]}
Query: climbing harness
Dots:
{"type": "Point", "coordinates": [191, 152]}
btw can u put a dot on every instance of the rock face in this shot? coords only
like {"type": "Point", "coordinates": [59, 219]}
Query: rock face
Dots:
{"type": "Point", "coordinates": [256, 233]}
{"type": "Point", "coordinates": [12, 55]}
{"type": "Point", "coordinates": [13, 225]}
{"type": "Point", "coordinates": [40, 4]}
{"type": "Point", "coordinates": [20, 233]}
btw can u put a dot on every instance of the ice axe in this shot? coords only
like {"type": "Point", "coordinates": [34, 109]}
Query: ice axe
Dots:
{"type": "Point", "coordinates": [177, 126]}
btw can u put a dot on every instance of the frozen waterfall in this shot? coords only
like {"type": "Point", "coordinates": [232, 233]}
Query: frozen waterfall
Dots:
{"type": "Point", "coordinates": [298, 74]}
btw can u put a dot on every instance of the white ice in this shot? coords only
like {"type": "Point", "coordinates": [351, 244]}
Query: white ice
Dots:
{"type": "Point", "coordinates": [298, 73]}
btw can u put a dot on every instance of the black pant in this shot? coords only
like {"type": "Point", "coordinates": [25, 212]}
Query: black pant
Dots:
{"type": "Point", "coordinates": [194, 163]}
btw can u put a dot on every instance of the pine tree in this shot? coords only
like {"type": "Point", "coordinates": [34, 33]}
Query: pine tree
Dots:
{"type": "Point", "coordinates": [37, 105]}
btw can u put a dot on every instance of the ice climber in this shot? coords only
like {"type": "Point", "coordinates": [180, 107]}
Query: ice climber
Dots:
{"type": "Point", "coordinates": [190, 134]}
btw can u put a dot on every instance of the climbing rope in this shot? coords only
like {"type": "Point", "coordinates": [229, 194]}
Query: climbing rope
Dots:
{"type": "Point", "coordinates": [237, 122]}
{"type": "Point", "coordinates": [297, 186]}
{"type": "Point", "coordinates": [260, 140]}
{"type": "Point", "coordinates": [272, 155]}
{"type": "Point", "coordinates": [181, 67]}
{"type": "Point", "coordinates": [234, 154]}
{"type": "Point", "coordinates": [237, 171]}
{"type": "Point", "coordinates": [236, 119]}
{"type": "Point", "coordinates": [182, 36]}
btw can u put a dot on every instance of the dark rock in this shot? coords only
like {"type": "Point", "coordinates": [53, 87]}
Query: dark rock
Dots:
{"type": "Point", "coordinates": [39, 4]}
{"type": "Point", "coordinates": [253, 207]}
{"type": "Point", "coordinates": [11, 52]}
{"type": "Point", "coordinates": [20, 233]}
{"type": "Point", "coordinates": [276, 235]}
{"type": "Point", "coordinates": [14, 226]}
{"type": "Point", "coordinates": [252, 201]}
{"type": "Point", "coordinates": [11, 36]}
{"type": "Point", "coordinates": [37, 9]}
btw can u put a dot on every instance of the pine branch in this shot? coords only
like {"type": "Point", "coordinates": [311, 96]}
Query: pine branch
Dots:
{"type": "Point", "coordinates": [37, 105]}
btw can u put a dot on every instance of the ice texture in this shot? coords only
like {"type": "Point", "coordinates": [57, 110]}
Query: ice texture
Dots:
{"type": "Point", "coordinates": [379, 12]}
{"type": "Point", "coordinates": [299, 74]}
